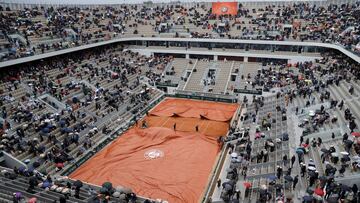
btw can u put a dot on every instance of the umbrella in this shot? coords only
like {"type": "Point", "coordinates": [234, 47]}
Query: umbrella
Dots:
{"type": "Point", "coordinates": [319, 191]}
{"type": "Point", "coordinates": [46, 184]}
{"type": "Point", "coordinates": [356, 134]}
{"type": "Point", "coordinates": [310, 191]}
{"type": "Point", "coordinates": [356, 157]}
{"type": "Point", "coordinates": [18, 194]}
{"type": "Point", "coordinates": [299, 151]}
{"type": "Point", "coordinates": [234, 155]}
{"type": "Point", "coordinates": [312, 173]}
{"type": "Point", "coordinates": [311, 168]}
{"type": "Point", "coordinates": [4, 140]}
{"type": "Point", "coordinates": [127, 190]}
{"type": "Point", "coordinates": [36, 164]}
{"type": "Point", "coordinates": [348, 142]}
{"type": "Point", "coordinates": [247, 185]}
{"type": "Point", "coordinates": [78, 184]}
{"type": "Point", "coordinates": [322, 178]}
{"type": "Point", "coordinates": [345, 187]}
{"type": "Point", "coordinates": [30, 169]}
{"type": "Point", "coordinates": [324, 150]}
{"type": "Point", "coordinates": [272, 177]}
{"type": "Point", "coordinates": [116, 194]}
{"type": "Point", "coordinates": [345, 159]}
{"type": "Point", "coordinates": [334, 154]}
{"type": "Point", "coordinates": [107, 185]}
{"type": "Point", "coordinates": [344, 153]}
{"type": "Point", "coordinates": [288, 178]}
{"type": "Point", "coordinates": [228, 187]}
{"type": "Point", "coordinates": [231, 182]}
{"type": "Point", "coordinates": [122, 197]}
{"type": "Point", "coordinates": [32, 200]}
{"type": "Point", "coordinates": [59, 165]}
{"type": "Point", "coordinates": [329, 166]}
{"type": "Point", "coordinates": [308, 198]}
{"type": "Point", "coordinates": [311, 113]}
{"type": "Point", "coordinates": [119, 189]}
{"type": "Point", "coordinates": [278, 186]}
{"type": "Point", "coordinates": [103, 190]}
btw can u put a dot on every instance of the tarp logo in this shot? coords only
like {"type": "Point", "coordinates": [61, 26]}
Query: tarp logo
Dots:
{"type": "Point", "coordinates": [224, 9]}
{"type": "Point", "coordinates": [153, 154]}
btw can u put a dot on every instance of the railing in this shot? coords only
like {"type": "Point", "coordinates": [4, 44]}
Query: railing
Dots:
{"type": "Point", "coordinates": [205, 96]}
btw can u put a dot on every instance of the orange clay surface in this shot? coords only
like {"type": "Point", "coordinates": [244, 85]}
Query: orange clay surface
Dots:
{"type": "Point", "coordinates": [158, 162]}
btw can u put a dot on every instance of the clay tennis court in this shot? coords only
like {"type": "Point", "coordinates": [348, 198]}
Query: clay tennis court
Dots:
{"type": "Point", "coordinates": [159, 162]}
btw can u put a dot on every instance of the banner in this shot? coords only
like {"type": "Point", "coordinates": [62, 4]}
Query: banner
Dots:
{"type": "Point", "coordinates": [224, 8]}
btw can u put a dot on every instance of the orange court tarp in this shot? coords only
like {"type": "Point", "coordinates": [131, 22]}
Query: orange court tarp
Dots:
{"type": "Point", "coordinates": [224, 8]}
{"type": "Point", "coordinates": [214, 111]}
{"type": "Point", "coordinates": [158, 161]}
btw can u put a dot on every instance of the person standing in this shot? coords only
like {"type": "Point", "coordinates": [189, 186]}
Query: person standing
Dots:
{"type": "Point", "coordinates": [285, 160]}
{"type": "Point", "coordinates": [237, 193]}
{"type": "Point", "coordinates": [293, 158]}
{"type": "Point", "coordinates": [296, 180]}
{"type": "Point", "coordinates": [197, 128]}
{"type": "Point", "coordinates": [303, 169]}
{"type": "Point", "coordinates": [174, 126]}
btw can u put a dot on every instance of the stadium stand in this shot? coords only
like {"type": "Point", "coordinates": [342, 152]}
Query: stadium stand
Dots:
{"type": "Point", "coordinates": [294, 137]}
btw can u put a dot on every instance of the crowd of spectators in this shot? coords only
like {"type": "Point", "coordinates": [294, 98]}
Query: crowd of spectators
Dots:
{"type": "Point", "coordinates": [47, 28]}
{"type": "Point", "coordinates": [55, 110]}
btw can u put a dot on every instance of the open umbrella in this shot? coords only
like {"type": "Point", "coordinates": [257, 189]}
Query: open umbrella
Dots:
{"type": "Point", "coordinates": [228, 187]}
{"type": "Point", "coordinates": [312, 173]}
{"type": "Point", "coordinates": [345, 187]}
{"type": "Point", "coordinates": [310, 191]}
{"type": "Point", "coordinates": [344, 153]}
{"type": "Point", "coordinates": [278, 186]}
{"type": "Point", "coordinates": [345, 159]}
{"type": "Point", "coordinates": [107, 185]}
{"type": "Point", "coordinates": [324, 150]}
{"type": "Point", "coordinates": [356, 134]}
{"type": "Point", "coordinates": [300, 151]}
{"type": "Point", "coordinates": [308, 198]}
{"type": "Point", "coordinates": [311, 168]}
{"type": "Point", "coordinates": [45, 130]}
{"type": "Point", "coordinates": [319, 191]}
{"type": "Point", "coordinates": [272, 177]}
{"type": "Point", "coordinates": [322, 178]}
{"type": "Point", "coordinates": [329, 166]}
{"type": "Point", "coordinates": [103, 190]}
{"type": "Point", "coordinates": [348, 142]}
{"type": "Point", "coordinates": [32, 200]}
{"type": "Point", "coordinates": [247, 184]}
{"type": "Point", "coordinates": [288, 178]}
{"type": "Point", "coordinates": [127, 190]}
{"type": "Point", "coordinates": [234, 155]}
{"type": "Point", "coordinates": [78, 184]}
{"type": "Point", "coordinates": [334, 154]}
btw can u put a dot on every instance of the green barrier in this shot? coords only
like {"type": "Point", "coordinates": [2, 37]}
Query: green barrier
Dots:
{"type": "Point", "coordinates": [246, 91]}
{"type": "Point", "coordinates": [165, 84]}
